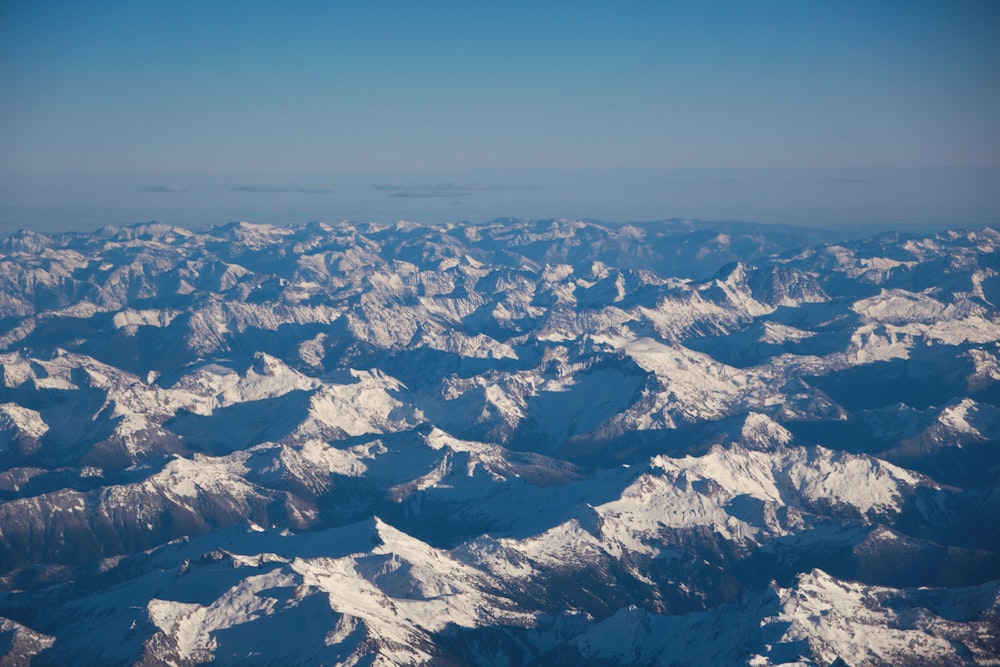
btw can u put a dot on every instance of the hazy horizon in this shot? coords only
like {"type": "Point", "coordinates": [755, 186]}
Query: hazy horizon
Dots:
{"type": "Point", "coordinates": [914, 198]}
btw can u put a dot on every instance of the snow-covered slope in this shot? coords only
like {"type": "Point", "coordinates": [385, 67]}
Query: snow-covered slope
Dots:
{"type": "Point", "coordinates": [518, 442]}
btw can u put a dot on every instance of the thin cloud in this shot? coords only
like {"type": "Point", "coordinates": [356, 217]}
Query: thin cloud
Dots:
{"type": "Point", "coordinates": [445, 189]}
{"type": "Point", "coordinates": [270, 189]}
{"type": "Point", "coordinates": [431, 193]}
{"type": "Point", "coordinates": [164, 188]}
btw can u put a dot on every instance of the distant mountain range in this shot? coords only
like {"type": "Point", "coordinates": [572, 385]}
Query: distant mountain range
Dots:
{"type": "Point", "coordinates": [514, 443]}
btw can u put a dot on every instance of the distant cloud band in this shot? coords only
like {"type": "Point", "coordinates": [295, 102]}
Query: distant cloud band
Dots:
{"type": "Point", "coordinates": [445, 189]}
{"type": "Point", "coordinates": [281, 189]}
{"type": "Point", "coordinates": [430, 193]}
{"type": "Point", "coordinates": [164, 188]}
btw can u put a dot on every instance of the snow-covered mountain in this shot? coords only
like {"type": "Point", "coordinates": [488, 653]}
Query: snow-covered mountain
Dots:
{"type": "Point", "coordinates": [520, 442]}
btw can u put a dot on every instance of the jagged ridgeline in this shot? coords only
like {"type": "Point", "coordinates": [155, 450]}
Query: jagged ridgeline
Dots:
{"type": "Point", "coordinates": [520, 442]}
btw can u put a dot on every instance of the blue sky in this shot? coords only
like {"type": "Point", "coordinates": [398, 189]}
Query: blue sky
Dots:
{"type": "Point", "coordinates": [192, 110]}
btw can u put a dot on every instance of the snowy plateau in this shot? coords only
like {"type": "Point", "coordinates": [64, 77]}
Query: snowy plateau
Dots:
{"type": "Point", "coordinates": [512, 443]}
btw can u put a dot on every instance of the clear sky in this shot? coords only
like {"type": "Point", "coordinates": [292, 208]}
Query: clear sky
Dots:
{"type": "Point", "coordinates": [306, 98]}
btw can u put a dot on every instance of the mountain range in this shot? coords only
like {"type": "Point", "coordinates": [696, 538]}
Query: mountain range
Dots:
{"type": "Point", "coordinates": [521, 442]}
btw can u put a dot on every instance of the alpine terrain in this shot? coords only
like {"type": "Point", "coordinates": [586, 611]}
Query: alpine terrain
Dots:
{"type": "Point", "coordinates": [514, 443]}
